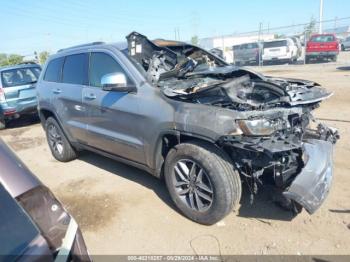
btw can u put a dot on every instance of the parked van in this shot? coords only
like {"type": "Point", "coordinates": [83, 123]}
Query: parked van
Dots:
{"type": "Point", "coordinates": [247, 53]}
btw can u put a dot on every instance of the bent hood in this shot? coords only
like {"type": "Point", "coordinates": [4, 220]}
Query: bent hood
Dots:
{"type": "Point", "coordinates": [244, 87]}
{"type": "Point", "coordinates": [187, 72]}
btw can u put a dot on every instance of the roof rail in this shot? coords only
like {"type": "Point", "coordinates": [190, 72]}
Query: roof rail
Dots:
{"type": "Point", "coordinates": [28, 63]}
{"type": "Point", "coordinates": [83, 45]}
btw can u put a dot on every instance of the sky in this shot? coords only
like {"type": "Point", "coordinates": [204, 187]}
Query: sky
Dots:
{"type": "Point", "coordinates": [33, 25]}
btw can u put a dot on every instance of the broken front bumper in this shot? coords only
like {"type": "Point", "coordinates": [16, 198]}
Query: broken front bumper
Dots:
{"type": "Point", "coordinates": [311, 186]}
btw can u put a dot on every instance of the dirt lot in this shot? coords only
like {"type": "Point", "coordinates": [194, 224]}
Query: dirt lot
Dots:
{"type": "Point", "coordinates": [122, 210]}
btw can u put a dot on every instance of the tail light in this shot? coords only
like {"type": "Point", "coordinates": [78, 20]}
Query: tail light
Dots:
{"type": "Point", "coordinates": [2, 95]}
{"type": "Point", "coordinates": [288, 49]}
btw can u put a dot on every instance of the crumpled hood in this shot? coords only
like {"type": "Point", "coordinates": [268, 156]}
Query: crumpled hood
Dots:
{"type": "Point", "coordinates": [301, 91]}
{"type": "Point", "coordinates": [245, 87]}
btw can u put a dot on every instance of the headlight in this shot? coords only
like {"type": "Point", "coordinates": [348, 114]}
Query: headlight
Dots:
{"type": "Point", "coordinates": [257, 127]}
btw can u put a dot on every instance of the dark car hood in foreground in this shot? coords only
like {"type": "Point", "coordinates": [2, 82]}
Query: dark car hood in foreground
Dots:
{"type": "Point", "coordinates": [13, 175]}
{"type": "Point", "coordinates": [17, 231]}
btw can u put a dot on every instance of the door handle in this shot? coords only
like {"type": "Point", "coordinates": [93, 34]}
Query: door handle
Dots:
{"type": "Point", "coordinates": [90, 96]}
{"type": "Point", "coordinates": [57, 91]}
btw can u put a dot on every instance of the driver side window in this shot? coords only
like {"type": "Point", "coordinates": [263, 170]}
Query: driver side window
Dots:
{"type": "Point", "coordinates": [102, 64]}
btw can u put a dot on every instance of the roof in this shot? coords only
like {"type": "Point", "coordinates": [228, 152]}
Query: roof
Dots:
{"type": "Point", "coordinates": [275, 40]}
{"type": "Point", "coordinates": [22, 65]}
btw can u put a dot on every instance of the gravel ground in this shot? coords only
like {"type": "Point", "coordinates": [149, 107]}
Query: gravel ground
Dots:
{"type": "Point", "coordinates": [123, 210]}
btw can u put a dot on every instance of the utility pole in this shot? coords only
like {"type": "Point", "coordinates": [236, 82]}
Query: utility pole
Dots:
{"type": "Point", "coordinates": [320, 29]}
{"type": "Point", "coordinates": [260, 44]}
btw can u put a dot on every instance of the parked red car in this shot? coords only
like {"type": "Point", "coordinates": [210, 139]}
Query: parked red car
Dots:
{"type": "Point", "coordinates": [322, 46]}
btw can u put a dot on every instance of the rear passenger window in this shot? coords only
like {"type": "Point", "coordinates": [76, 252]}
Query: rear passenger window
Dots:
{"type": "Point", "coordinates": [75, 69]}
{"type": "Point", "coordinates": [53, 70]}
{"type": "Point", "coordinates": [102, 64]}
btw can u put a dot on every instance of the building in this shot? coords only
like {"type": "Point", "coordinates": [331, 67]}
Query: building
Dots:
{"type": "Point", "coordinates": [341, 32]}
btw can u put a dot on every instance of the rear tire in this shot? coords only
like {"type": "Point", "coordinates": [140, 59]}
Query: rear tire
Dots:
{"type": "Point", "coordinates": [211, 191]}
{"type": "Point", "coordinates": [334, 58]}
{"type": "Point", "coordinates": [2, 124]}
{"type": "Point", "coordinates": [60, 148]}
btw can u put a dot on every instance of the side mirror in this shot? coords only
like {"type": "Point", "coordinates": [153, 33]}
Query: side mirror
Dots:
{"type": "Point", "coordinates": [117, 82]}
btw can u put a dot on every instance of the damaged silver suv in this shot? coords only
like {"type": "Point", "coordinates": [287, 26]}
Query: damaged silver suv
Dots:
{"type": "Point", "coordinates": [179, 112]}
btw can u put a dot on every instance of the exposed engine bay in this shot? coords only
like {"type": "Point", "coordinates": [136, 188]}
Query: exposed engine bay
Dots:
{"type": "Point", "coordinates": [275, 114]}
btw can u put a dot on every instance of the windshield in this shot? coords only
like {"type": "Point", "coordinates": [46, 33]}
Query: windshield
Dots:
{"type": "Point", "coordinates": [250, 46]}
{"type": "Point", "coordinates": [322, 38]}
{"type": "Point", "coordinates": [275, 44]}
{"type": "Point", "coordinates": [20, 76]}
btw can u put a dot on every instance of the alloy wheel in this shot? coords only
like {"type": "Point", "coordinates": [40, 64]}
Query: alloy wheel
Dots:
{"type": "Point", "coordinates": [192, 185]}
{"type": "Point", "coordinates": [55, 139]}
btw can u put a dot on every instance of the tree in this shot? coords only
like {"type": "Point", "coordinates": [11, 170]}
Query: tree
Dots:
{"type": "Point", "coordinates": [43, 57]}
{"type": "Point", "coordinates": [278, 36]}
{"type": "Point", "coordinates": [3, 60]}
{"type": "Point", "coordinates": [11, 59]}
{"type": "Point", "coordinates": [310, 28]}
{"type": "Point", "coordinates": [194, 40]}
{"type": "Point", "coordinates": [14, 59]}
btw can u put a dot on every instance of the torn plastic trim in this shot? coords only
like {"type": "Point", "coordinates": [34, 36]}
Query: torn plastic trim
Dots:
{"type": "Point", "coordinates": [312, 185]}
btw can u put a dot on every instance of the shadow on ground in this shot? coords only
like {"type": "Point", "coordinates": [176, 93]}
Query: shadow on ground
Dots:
{"type": "Point", "coordinates": [344, 68]}
{"type": "Point", "coordinates": [133, 174]}
{"type": "Point", "coordinates": [23, 121]}
{"type": "Point", "coordinates": [262, 208]}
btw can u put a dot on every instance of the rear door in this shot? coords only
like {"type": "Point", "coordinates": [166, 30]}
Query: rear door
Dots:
{"type": "Point", "coordinates": [67, 94]}
{"type": "Point", "coordinates": [114, 120]}
{"type": "Point", "coordinates": [19, 87]}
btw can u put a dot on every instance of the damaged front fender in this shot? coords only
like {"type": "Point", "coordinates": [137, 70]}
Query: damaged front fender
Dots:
{"type": "Point", "coordinates": [311, 186]}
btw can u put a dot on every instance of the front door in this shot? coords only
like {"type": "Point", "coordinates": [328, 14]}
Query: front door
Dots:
{"type": "Point", "coordinates": [113, 118]}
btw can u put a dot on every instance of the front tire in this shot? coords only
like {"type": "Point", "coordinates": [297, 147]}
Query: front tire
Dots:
{"type": "Point", "coordinates": [307, 60]}
{"type": "Point", "coordinates": [60, 148]}
{"type": "Point", "coordinates": [202, 182]}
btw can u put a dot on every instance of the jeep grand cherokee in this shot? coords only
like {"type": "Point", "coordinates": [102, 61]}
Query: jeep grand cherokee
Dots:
{"type": "Point", "coordinates": [182, 113]}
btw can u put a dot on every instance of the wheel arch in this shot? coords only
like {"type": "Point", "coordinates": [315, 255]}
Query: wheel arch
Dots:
{"type": "Point", "coordinates": [169, 139]}
{"type": "Point", "coordinates": [45, 113]}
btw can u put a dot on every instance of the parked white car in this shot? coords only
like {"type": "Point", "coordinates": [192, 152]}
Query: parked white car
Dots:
{"type": "Point", "coordinates": [345, 45]}
{"type": "Point", "coordinates": [280, 50]}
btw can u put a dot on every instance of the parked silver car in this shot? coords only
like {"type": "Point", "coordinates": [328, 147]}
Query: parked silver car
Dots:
{"type": "Point", "coordinates": [345, 44]}
{"type": "Point", "coordinates": [17, 91]}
